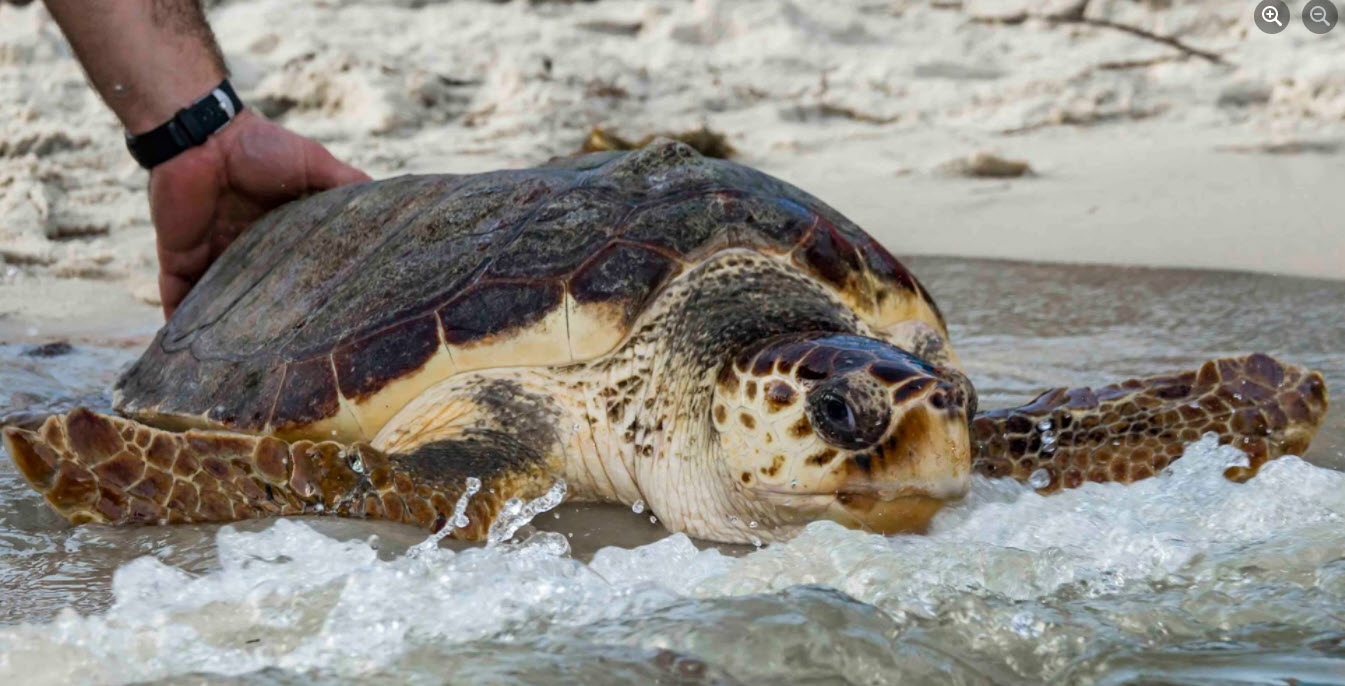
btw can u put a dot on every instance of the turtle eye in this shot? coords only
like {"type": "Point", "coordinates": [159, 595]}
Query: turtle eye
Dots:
{"type": "Point", "coordinates": [837, 413]}
{"type": "Point", "coordinates": [835, 420]}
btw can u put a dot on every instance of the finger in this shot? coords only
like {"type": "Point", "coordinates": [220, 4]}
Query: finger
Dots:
{"type": "Point", "coordinates": [172, 290]}
{"type": "Point", "coordinates": [323, 170]}
{"type": "Point", "coordinates": [272, 164]}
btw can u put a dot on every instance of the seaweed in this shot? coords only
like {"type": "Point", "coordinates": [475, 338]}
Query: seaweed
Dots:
{"type": "Point", "coordinates": [705, 141]}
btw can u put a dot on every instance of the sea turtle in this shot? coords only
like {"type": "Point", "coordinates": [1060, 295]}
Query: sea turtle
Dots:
{"type": "Point", "coordinates": [648, 326]}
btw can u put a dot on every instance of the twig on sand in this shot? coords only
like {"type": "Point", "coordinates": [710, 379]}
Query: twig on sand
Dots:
{"type": "Point", "coordinates": [1136, 31]}
{"type": "Point", "coordinates": [1074, 14]}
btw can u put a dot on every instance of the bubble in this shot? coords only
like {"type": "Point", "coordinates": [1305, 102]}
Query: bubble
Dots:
{"type": "Point", "coordinates": [637, 507]}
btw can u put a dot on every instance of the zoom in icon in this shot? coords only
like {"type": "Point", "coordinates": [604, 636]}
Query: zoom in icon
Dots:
{"type": "Point", "coordinates": [1272, 16]}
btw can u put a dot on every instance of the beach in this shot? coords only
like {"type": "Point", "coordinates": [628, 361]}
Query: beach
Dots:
{"type": "Point", "coordinates": [1223, 151]}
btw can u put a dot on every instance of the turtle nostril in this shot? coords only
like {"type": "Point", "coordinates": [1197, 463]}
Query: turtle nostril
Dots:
{"type": "Point", "coordinates": [864, 461]}
{"type": "Point", "coordinates": [938, 401]}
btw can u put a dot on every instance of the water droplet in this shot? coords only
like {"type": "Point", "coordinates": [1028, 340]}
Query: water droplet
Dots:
{"type": "Point", "coordinates": [653, 519]}
{"type": "Point", "coordinates": [1040, 478]}
{"type": "Point", "coordinates": [752, 524]}
{"type": "Point", "coordinates": [459, 518]}
{"type": "Point", "coordinates": [794, 483]}
{"type": "Point", "coordinates": [637, 507]}
{"type": "Point", "coordinates": [1025, 625]}
{"type": "Point", "coordinates": [1048, 437]}
{"type": "Point", "coordinates": [1044, 425]}
{"type": "Point", "coordinates": [756, 542]}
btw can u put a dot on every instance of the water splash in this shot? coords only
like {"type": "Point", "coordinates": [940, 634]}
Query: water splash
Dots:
{"type": "Point", "coordinates": [459, 520]}
{"type": "Point", "coordinates": [1030, 588]}
{"type": "Point", "coordinates": [515, 513]}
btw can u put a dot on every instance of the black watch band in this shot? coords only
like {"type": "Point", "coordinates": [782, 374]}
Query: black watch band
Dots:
{"type": "Point", "coordinates": [190, 127]}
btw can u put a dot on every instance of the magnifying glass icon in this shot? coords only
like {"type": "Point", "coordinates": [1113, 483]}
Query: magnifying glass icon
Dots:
{"type": "Point", "coordinates": [1272, 15]}
{"type": "Point", "coordinates": [1317, 14]}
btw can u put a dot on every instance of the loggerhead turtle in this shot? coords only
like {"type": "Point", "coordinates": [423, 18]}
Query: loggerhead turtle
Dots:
{"type": "Point", "coordinates": [650, 325]}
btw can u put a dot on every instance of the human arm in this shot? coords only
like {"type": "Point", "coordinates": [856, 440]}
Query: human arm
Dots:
{"type": "Point", "coordinates": [150, 58]}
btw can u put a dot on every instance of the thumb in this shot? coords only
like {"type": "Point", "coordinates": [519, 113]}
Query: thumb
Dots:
{"type": "Point", "coordinates": [323, 171]}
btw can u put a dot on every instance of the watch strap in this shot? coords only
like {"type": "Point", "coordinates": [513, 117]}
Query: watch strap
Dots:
{"type": "Point", "coordinates": [190, 127]}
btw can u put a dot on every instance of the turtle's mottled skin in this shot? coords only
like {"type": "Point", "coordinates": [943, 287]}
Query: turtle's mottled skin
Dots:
{"type": "Point", "coordinates": [650, 326]}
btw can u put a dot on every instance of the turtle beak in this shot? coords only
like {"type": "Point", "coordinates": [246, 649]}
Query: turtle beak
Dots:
{"type": "Point", "coordinates": [898, 486]}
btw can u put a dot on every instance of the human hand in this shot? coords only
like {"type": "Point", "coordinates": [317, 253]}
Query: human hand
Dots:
{"type": "Point", "coordinates": [203, 199]}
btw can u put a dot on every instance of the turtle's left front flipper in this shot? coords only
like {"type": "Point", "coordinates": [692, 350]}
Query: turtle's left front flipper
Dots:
{"type": "Point", "coordinates": [110, 470]}
{"type": "Point", "coordinates": [1132, 430]}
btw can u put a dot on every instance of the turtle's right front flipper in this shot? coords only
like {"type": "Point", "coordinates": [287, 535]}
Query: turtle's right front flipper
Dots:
{"type": "Point", "coordinates": [1132, 430]}
{"type": "Point", "coordinates": [96, 468]}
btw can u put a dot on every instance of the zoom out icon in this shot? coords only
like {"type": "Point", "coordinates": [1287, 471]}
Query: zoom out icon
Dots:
{"type": "Point", "coordinates": [1320, 16]}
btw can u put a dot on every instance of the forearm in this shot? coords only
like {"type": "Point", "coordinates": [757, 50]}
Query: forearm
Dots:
{"type": "Point", "coordinates": [147, 58]}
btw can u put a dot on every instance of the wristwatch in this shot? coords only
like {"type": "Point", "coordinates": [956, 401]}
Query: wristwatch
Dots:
{"type": "Point", "coordinates": [190, 127]}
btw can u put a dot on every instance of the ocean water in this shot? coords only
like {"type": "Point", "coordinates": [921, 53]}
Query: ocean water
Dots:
{"type": "Point", "coordinates": [1184, 578]}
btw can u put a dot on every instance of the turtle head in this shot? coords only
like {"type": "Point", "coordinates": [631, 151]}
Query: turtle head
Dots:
{"type": "Point", "coordinates": [842, 427]}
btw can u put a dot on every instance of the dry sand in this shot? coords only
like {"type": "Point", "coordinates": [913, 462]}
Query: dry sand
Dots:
{"type": "Point", "coordinates": [1139, 152]}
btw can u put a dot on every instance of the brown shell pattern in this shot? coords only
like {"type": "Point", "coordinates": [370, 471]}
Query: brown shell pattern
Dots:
{"type": "Point", "coordinates": [326, 301]}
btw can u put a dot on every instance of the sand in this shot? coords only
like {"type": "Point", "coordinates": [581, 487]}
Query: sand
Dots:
{"type": "Point", "coordinates": [1138, 152]}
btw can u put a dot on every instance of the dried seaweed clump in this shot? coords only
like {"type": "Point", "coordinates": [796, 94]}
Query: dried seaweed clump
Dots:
{"type": "Point", "coordinates": [706, 142]}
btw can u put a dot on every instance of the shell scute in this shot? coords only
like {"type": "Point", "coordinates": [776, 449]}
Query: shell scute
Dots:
{"type": "Point", "coordinates": [245, 396]}
{"type": "Point", "coordinates": [490, 309]}
{"type": "Point", "coordinates": [561, 236]}
{"type": "Point", "coordinates": [308, 393]}
{"type": "Point", "coordinates": [624, 273]}
{"type": "Point", "coordinates": [365, 365]}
